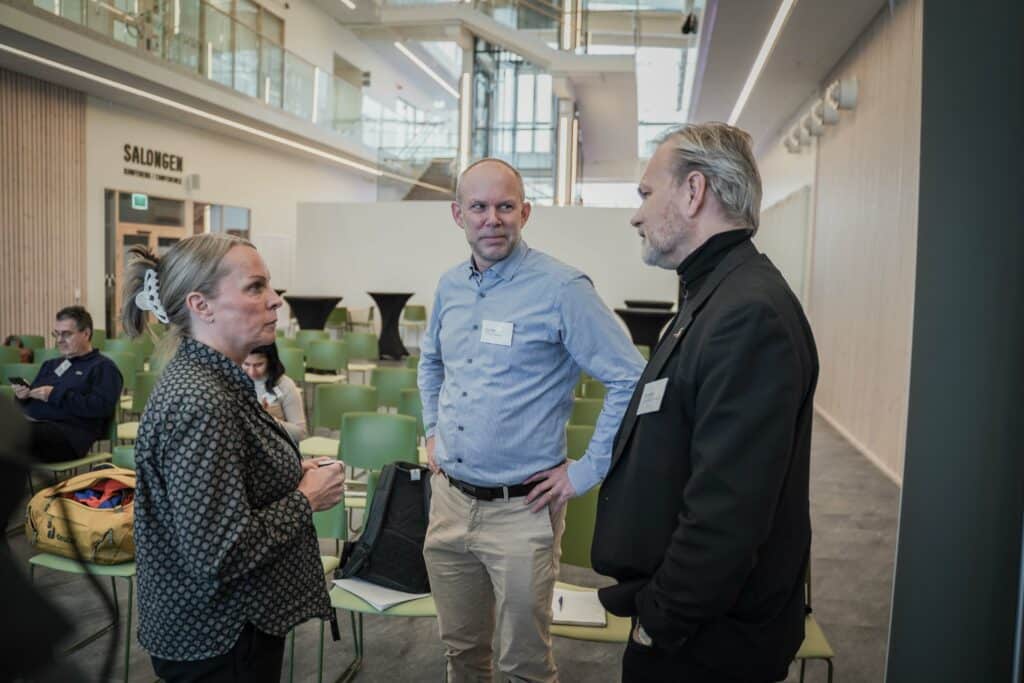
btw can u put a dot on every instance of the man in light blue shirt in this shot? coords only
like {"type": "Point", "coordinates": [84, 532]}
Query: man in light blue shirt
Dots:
{"type": "Point", "coordinates": [510, 330]}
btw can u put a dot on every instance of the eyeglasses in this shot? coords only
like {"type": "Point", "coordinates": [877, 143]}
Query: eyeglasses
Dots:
{"type": "Point", "coordinates": [64, 336]}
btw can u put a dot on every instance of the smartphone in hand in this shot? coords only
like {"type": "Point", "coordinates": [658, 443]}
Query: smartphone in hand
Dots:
{"type": "Point", "coordinates": [20, 381]}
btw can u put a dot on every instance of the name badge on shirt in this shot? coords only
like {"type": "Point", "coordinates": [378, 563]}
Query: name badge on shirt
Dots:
{"type": "Point", "coordinates": [650, 400]}
{"type": "Point", "coordinates": [493, 332]}
{"type": "Point", "coordinates": [63, 367]}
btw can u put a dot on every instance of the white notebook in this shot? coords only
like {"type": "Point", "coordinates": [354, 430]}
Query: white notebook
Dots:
{"type": "Point", "coordinates": [380, 597]}
{"type": "Point", "coordinates": [577, 608]}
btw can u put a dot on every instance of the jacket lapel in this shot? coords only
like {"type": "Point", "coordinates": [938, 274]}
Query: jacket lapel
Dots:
{"type": "Point", "coordinates": [733, 260]}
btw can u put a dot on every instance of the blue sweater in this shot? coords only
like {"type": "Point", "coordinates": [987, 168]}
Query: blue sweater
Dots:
{"type": "Point", "coordinates": [83, 399]}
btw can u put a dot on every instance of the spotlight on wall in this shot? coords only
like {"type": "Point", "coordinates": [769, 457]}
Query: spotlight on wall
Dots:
{"type": "Point", "coordinates": [802, 136]}
{"type": "Point", "coordinates": [791, 144]}
{"type": "Point", "coordinates": [843, 93]}
{"type": "Point", "coordinates": [813, 125]}
{"type": "Point", "coordinates": [827, 112]}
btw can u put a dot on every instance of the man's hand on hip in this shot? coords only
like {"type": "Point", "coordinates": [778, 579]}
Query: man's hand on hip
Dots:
{"type": "Point", "coordinates": [431, 463]}
{"type": "Point", "coordinates": [553, 489]}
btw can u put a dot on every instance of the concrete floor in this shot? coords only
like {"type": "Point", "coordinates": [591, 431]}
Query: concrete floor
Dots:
{"type": "Point", "coordinates": [854, 510]}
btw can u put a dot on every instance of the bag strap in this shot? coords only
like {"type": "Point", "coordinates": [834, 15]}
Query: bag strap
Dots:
{"type": "Point", "coordinates": [357, 554]}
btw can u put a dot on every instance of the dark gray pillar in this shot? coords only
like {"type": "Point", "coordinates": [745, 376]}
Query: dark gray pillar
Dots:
{"type": "Point", "coordinates": [958, 561]}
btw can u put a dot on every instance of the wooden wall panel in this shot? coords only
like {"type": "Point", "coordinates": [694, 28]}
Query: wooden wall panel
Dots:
{"type": "Point", "coordinates": [862, 284]}
{"type": "Point", "coordinates": [42, 202]}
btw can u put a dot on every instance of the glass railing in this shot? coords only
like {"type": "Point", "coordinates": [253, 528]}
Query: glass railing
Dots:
{"type": "Point", "coordinates": [200, 38]}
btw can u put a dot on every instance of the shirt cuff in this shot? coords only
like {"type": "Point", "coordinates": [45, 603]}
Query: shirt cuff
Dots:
{"type": "Point", "coordinates": [582, 476]}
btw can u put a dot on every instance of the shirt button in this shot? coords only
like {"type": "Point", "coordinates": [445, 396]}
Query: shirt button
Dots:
{"type": "Point", "coordinates": [482, 295]}
{"type": "Point", "coordinates": [470, 361]}
{"type": "Point", "coordinates": [460, 428]}
{"type": "Point", "coordinates": [463, 393]}
{"type": "Point", "coordinates": [458, 459]}
{"type": "Point", "coordinates": [476, 327]}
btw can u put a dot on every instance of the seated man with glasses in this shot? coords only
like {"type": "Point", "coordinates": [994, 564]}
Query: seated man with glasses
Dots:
{"type": "Point", "coordinates": [74, 397]}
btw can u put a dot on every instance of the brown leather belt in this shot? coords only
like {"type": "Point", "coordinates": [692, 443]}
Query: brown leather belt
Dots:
{"type": "Point", "coordinates": [490, 492]}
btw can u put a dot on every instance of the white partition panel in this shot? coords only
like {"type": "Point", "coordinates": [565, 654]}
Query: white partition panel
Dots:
{"type": "Point", "coordinates": [349, 249]}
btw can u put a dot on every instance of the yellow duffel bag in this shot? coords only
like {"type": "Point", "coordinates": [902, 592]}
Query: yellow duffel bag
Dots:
{"type": "Point", "coordinates": [103, 534]}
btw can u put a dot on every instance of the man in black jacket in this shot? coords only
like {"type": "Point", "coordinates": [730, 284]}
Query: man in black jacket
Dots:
{"type": "Point", "coordinates": [703, 516]}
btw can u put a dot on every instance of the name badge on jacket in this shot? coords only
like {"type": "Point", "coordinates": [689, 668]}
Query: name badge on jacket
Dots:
{"type": "Point", "coordinates": [650, 400]}
{"type": "Point", "coordinates": [62, 368]}
{"type": "Point", "coordinates": [493, 332]}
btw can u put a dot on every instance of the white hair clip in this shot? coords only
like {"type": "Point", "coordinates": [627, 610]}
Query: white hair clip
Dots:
{"type": "Point", "coordinates": [149, 298]}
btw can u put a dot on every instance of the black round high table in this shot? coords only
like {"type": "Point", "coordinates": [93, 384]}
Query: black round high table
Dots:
{"type": "Point", "coordinates": [312, 311]}
{"type": "Point", "coordinates": [390, 305]}
{"type": "Point", "coordinates": [645, 324]}
{"type": "Point", "coordinates": [648, 303]}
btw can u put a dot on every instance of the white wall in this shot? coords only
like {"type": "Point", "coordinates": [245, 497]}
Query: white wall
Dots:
{"type": "Point", "coordinates": [349, 249]}
{"type": "Point", "coordinates": [232, 172]}
{"type": "Point", "coordinates": [783, 173]}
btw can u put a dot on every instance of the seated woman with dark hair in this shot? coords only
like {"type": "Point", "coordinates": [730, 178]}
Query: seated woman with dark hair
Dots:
{"type": "Point", "coordinates": [27, 354]}
{"type": "Point", "coordinates": [275, 390]}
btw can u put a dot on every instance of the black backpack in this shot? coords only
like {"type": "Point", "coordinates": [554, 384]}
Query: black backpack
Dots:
{"type": "Point", "coordinates": [389, 552]}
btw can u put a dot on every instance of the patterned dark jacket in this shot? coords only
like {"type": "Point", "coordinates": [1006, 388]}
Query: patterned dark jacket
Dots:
{"type": "Point", "coordinates": [223, 536]}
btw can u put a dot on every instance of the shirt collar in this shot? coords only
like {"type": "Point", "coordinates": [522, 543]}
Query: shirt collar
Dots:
{"type": "Point", "coordinates": [216, 361]}
{"type": "Point", "coordinates": [506, 268]}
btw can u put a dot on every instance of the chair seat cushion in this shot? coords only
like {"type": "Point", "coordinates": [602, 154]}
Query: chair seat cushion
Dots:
{"type": "Point", "coordinates": [330, 563]}
{"type": "Point", "coordinates": [91, 459]}
{"type": "Point", "coordinates": [815, 645]}
{"type": "Point", "coordinates": [128, 431]}
{"type": "Point", "coordinates": [318, 447]}
{"type": "Point", "coordinates": [66, 564]}
{"type": "Point", "coordinates": [616, 631]}
{"type": "Point", "coordinates": [314, 378]}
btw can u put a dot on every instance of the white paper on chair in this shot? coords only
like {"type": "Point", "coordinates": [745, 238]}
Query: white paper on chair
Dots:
{"type": "Point", "coordinates": [380, 597]}
{"type": "Point", "coordinates": [577, 608]}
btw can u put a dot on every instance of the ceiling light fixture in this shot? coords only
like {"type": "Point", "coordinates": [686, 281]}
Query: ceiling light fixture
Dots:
{"type": "Point", "coordinates": [349, 4]}
{"type": "Point", "coordinates": [762, 56]}
{"type": "Point", "coordinates": [215, 118]}
{"type": "Point", "coordinates": [426, 69]}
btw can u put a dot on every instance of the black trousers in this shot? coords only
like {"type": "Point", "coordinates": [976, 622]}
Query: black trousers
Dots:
{"type": "Point", "coordinates": [642, 664]}
{"type": "Point", "coordinates": [47, 442]}
{"type": "Point", "coordinates": [256, 657]}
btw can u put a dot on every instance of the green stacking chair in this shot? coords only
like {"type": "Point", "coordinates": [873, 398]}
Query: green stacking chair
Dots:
{"type": "Point", "coordinates": [27, 371]}
{"type": "Point", "coordinates": [390, 382]}
{"type": "Point", "coordinates": [328, 355]}
{"type": "Point", "coordinates": [577, 438]}
{"type": "Point", "coordinates": [294, 364]}
{"type": "Point", "coordinates": [306, 337]}
{"type": "Point", "coordinates": [414, 317]}
{"type": "Point", "coordinates": [338, 319]}
{"type": "Point", "coordinates": [99, 338]}
{"type": "Point", "coordinates": [644, 350]}
{"type": "Point", "coordinates": [412, 362]}
{"type": "Point", "coordinates": [144, 383]}
{"type": "Point", "coordinates": [815, 645]}
{"type": "Point", "coordinates": [124, 344]}
{"type": "Point", "coordinates": [287, 343]}
{"type": "Point", "coordinates": [157, 330]}
{"type": "Point", "coordinates": [128, 363]}
{"type": "Point", "coordinates": [593, 388]}
{"type": "Point", "coordinates": [143, 347]}
{"type": "Point", "coordinates": [9, 354]}
{"type": "Point", "coordinates": [409, 403]}
{"type": "Point", "coordinates": [43, 355]}
{"type": "Point", "coordinates": [372, 440]}
{"type": "Point", "coordinates": [585, 411]}
{"type": "Point", "coordinates": [7, 391]}
{"type": "Point", "coordinates": [124, 456]}
{"type": "Point", "coordinates": [363, 351]}
{"type": "Point", "coordinates": [33, 341]}
{"type": "Point", "coordinates": [332, 402]}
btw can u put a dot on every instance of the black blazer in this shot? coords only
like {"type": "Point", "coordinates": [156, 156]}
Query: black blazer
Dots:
{"type": "Point", "coordinates": [703, 516]}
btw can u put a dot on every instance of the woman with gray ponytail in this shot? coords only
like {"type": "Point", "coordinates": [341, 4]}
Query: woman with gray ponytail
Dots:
{"type": "Point", "coordinates": [226, 553]}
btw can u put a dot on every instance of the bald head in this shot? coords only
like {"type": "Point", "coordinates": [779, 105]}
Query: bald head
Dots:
{"type": "Point", "coordinates": [492, 169]}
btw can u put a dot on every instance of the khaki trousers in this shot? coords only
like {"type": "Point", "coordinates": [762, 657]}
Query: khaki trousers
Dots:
{"type": "Point", "coordinates": [492, 563]}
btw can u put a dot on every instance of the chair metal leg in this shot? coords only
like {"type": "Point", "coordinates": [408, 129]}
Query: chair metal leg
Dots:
{"type": "Point", "coordinates": [803, 665]}
{"type": "Point", "coordinates": [320, 653]}
{"type": "Point", "coordinates": [128, 631]}
{"type": "Point", "coordinates": [357, 636]}
{"type": "Point", "coordinates": [291, 656]}
{"type": "Point", "coordinates": [829, 662]}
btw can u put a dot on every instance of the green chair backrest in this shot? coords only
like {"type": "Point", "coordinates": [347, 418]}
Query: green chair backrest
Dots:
{"type": "Point", "coordinates": [143, 346]}
{"type": "Point", "coordinates": [415, 313]}
{"type": "Point", "coordinates": [390, 382]}
{"type": "Point", "coordinates": [43, 355]}
{"type": "Point", "coordinates": [332, 523]}
{"type": "Point", "coordinates": [9, 354]}
{"type": "Point", "coordinates": [577, 438]}
{"type": "Point", "coordinates": [124, 456]}
{"type": "Point", "coordinates": [120, 344]}
{"type": "Point", "coordinates": [644, 350]}
{"type": "Point", "coordinates": [593, 388]}
{"type": "Point", "coordinates": [27, 371]}
{"type": "Point", "coordinates": [99, 338]}
{"type": "Point", "coordinates": [287, 343]}
{"type": "Point", "coordinates": [409, 403]}
{"type": "Point", "coordinates": [338, 317]}
{"type": "Point", "coordinates": [306, 337]}
{"type": "Point", "coordinates": [362, 345]}
{"type": "Point", "coordinates": [327, 354]}
{"type": "Point", "coordinates": [412, 362]}
{"type": "Point", "coordinates": [279, 332]}
{"type": "Point", "coordinates": [6, 391]}
{"type": "Point", "coordinates": [585, 411]}
{"type": "Point", "coordinates": [144, 383]}
{"type": "Point", "coordinates": [33, 341]}
{"type": "Point", "coordinates": [157, 330]}
{"type": "Point", "coordinates": [294, 365]}
{"type": "Point", "coordinates": [580, 514]}
{"type": "Point", "coordinates": [372, 440]}
{"type": "Point", "coordinates": [128, 364]}
{"type": "Point", "coordinates": [335, 400]}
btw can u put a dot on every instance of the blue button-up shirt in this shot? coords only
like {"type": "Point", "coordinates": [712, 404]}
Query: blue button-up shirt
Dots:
{"type": "Point", "coordinates": [499, 412]}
